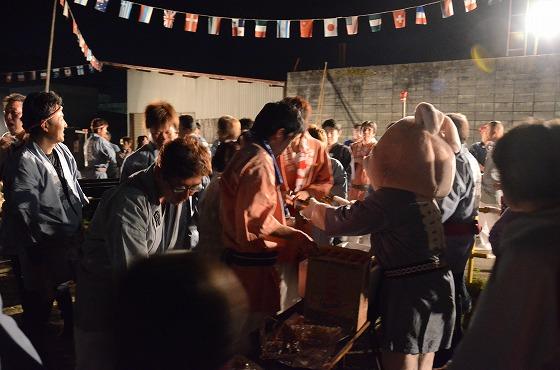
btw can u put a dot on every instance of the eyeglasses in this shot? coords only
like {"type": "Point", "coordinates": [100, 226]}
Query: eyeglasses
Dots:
{"type": "Point", "coordinates": [191, 189]}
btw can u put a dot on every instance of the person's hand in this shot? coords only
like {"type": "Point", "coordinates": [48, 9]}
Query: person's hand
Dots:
{"type": "Point", "coordinates": [302, 195]}
{"type": "Point", "coordinates": [307, 212]}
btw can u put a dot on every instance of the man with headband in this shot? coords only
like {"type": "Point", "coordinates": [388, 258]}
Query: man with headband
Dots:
{"type": "Point", "coordinates": [43, 210]}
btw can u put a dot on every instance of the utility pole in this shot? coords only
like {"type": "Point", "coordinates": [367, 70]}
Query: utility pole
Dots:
{"type": "Point", "coordinates": [49, 58]}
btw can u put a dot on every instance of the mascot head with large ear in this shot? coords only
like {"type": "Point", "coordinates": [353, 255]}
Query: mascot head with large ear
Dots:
{"type": "Point", "coordinates": [416, 154]}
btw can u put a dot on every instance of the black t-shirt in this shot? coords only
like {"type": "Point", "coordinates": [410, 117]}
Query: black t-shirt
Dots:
{"type": "Point", "coordinates": [344, 155]}
{"type": "Point", "coordinates": [55, 161]}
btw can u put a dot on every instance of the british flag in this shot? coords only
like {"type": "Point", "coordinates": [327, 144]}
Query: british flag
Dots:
{"type": "Point", "coordinates": [191, 22]}
{"type": "Point", "coordinates": [168, 18]}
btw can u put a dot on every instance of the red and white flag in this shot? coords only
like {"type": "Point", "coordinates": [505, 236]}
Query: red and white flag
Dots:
{"type": "Point", "coordinates": [399, 17]}
{"type": "Point", "coordinates": [421, 15]}
{"type": "Point", "coordinates": [306, 28]}
{"type": "Point", "coordinates": [330, 25]}
{"type": "Point", "coordinates": [470, 5]}
{"type": "Point", "coordinates": [168, 18]}
{"type": "Point", "coordinates": [446, 8]}
{"type": "Point", "coordinates": [191, 22]}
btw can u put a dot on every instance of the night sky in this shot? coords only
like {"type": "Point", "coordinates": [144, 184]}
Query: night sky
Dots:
{"type": "Point", "coordinates": [26, 25]}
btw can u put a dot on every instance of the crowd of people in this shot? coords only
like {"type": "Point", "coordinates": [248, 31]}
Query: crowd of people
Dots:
{"type": "Point", "coordinates": [185, 259]}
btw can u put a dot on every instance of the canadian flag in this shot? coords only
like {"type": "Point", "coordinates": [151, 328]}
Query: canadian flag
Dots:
{"type": "Point", "coordinates": [331, 27]}
{"type": "Point", "coordinates": [399, 16]}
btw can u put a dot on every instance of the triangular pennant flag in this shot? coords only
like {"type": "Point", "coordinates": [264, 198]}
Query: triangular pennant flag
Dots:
{"type": "Point", "coordinates": [67, 72]}
{"type": "Point", "coordinates": [75, 29]}
{"type": "Point", "coordinates": [375, 22]}
{"type": "Point", "coordinates": [330, 26]}
{"type": "Point", "coordinates": [80, 70]}
{"type": "Point", "coordinates": [446, 8]}
{"type": "Point", "coordinates": [260, 29]}
{"type": "Point", "coordinates": [470, 5]}
{"type": "Point", "coordinates": [214, 25]}
{"type": "Point", "coordinates": [55, 72]}
{"type": "Point", "coordinates": [145, 13]}
{"type": "Point", "coordinates": [352, 25]}
{"type": "Point", "coordinates": [238, 27]}
{"type": "Point", "coordinates": [32, 75]}
{"type": "Point", "coordinates": [8, 77]}
{"type": "Point", "coordinates": [168, 18]}
{"type": "Point", "coordinates": [20, 77]}
{"type": "Point", "coordinates": [101, 5]}
{"type": "Point", "coordinates": [81, 2]}
{"type": "Point", "coordinates": [283, 29]}
{"type": "Point", "coordinates": [306, 28]}
{"type": "Point", "coordinates": [65, 10]}
{"type": "Point", "coordinates": [421, 15]}
{"type": "Point", "coordinates": [97, 65]}
{"type": "Point", "coordinates": [126, 7]}
{"type": "Point", "coordinates": [191, 22]}
{"type": "Point", "coordinates": [399, 17]}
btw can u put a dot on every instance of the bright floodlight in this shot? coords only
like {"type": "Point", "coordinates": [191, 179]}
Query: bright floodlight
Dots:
{"type": "Point", "coordinates": [542, 18]}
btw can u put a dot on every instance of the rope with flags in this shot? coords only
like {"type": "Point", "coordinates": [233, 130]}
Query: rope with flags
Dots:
{"type": "Point", "coordinates": [88, 53]}
{"type": "Point", "coordinates": [41, 74]}
{"type": "Point", "coordinates": [330, 25]}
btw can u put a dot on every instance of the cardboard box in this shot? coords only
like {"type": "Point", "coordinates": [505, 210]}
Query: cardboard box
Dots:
{"type": "Point", "coordinates": [337, 287]}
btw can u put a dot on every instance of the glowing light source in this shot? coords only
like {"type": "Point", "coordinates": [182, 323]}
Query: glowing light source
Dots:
{"type": "Point", "coordinates": [542, 18]}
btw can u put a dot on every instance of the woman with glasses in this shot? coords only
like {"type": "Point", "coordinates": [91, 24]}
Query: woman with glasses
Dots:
{"type": "Point", "coordinates": [131, 223]}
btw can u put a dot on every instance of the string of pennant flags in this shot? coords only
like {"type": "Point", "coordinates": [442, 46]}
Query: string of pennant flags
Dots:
{"type": "Point", "coordinates": [88, 53]}
{"type": "Point", "coordinates": [330, 25]}
{"type": "Point", "coordinates": [70, 71]}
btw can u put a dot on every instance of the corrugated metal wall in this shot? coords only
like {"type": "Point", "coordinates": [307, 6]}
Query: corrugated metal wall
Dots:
{"type": "Point", "coordinates": [207, 98]}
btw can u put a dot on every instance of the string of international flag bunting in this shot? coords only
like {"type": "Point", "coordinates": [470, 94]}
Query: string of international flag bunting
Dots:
{"type": "Point", "coordinates": [330, 26]}
{"type": "Point", "coordinates": [41, 74]}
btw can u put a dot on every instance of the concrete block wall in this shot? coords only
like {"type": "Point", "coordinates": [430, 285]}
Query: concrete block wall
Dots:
{"type": "Point", "coordinates": [505, 89]}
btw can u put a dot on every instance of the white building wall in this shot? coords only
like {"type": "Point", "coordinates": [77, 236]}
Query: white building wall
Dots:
{"type": "Point", "coordinates": [204, 97]}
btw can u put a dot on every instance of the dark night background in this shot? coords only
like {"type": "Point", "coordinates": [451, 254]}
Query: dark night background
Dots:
{"type": "Point", "coordinates": [25, 29]}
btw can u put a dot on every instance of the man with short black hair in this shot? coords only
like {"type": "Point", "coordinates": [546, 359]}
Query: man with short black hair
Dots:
{"type": "Point", "coordinates": [188, 127]}
{"type": "Point", "coordinates": [257, 239]}
{"type": "Point", "coordinates": [131, 223]}
{"type": "Point", "coordinates": [43, 210]}
{"type": "Point", "coordinates": [246, 124]}
{"type": "Point", "coordinates": [99, 153]}
{"type": "Point", "coordinates": [338, 151]}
